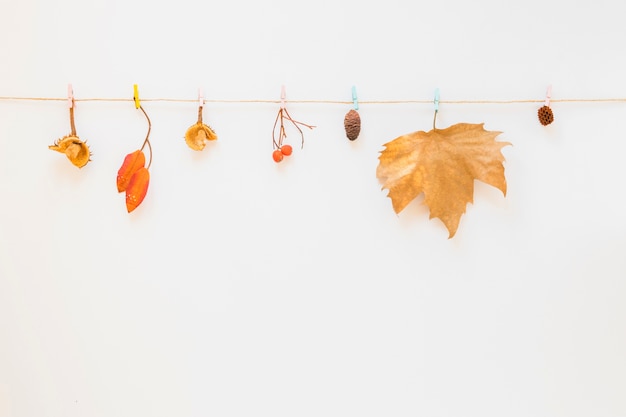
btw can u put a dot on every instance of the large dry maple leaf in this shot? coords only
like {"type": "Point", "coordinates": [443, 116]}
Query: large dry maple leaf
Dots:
{"type": "Point", "coordinates": [442, 164]}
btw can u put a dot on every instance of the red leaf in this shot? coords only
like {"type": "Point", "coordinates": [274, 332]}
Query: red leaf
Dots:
{"type": "Point", "coordinates": [137, 188]}
{"type": "Point", "coordinates": [132, 163]}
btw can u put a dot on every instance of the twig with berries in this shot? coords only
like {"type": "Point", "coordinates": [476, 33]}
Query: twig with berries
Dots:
{"type": "Point", "coordinates": [281, 150]}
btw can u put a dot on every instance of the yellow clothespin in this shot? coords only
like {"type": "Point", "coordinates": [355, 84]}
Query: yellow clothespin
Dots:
{"type": "Point", "coordinates": [136, 96]}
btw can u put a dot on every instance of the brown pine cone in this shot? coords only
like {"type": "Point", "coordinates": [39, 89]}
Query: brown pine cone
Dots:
{"type": "Point", "coordinates": [545, 115]}
{"type": "Point", "coordinates": [352, 123]}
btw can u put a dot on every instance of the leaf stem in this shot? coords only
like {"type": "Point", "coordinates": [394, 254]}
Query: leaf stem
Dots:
{"type": "Point", "coordinates": [72, 125]}
{"type": "Point", "coordinates": [147, 140]}
{"type": "Point", "coordinates": [276, 145]}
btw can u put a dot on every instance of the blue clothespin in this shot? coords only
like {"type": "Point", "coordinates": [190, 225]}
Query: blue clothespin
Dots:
{"type": "Point", "coordinates": [354, 99]}
{"type": "Point", "coordinates": [436, 101]}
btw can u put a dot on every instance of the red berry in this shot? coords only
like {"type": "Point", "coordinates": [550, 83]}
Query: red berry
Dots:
{"type": "Point", "coordinates": [286, 150]}
{"type": "Point", "coordinates": [277, 155]}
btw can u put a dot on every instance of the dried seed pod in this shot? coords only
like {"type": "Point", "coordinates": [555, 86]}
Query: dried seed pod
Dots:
{"type": "Point", "coordinates": [197, 134]}
{"type": "Point", "coordinates": [352, 124]}
{"type": "Point", "coordinates": [75, 149]}
{"type": "Point", "coordinates": [545, 115]}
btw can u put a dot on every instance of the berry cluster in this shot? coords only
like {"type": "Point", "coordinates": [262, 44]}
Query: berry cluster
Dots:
{"type": "Point", "coordinates": [281, 152]}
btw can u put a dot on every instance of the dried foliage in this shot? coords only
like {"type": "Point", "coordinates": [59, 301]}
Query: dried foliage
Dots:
{"type": "Point", "coordinates": [132, 162]}
{"type": "Point", "coordinates": [137, 188]}
{"type": "Point", "coordinates": [133, 177]}
{"type": "Point", "coordinates": [442, 164]}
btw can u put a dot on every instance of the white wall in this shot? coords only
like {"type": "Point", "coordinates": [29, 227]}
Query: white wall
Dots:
{"type": "Point", "coordinates": [245, 288]}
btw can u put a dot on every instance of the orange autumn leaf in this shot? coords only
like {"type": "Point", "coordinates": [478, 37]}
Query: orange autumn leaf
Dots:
{"type": "Point", "coordinates": [442, 164]}
{"type": "Point", "coordinates": [137, 188]}
{"type": "Point", "coordinates": [132, 162]}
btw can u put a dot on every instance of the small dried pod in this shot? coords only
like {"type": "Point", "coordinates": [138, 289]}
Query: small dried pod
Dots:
{"type": "Point", "coordinates": [352, 124]}
{"type": "Point", "coordinates": [197, 135]}
{"type": "Point", "coordinates": [545, 115]}
{"type": "Point", "coordinates": [75, 149]}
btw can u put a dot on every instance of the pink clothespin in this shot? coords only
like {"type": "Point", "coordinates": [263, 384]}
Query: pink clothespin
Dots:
{"type": "Point", "coordinates": [200, 98]}
{"type": "Point", "coordinates": [548, 95]}
{"type": "Point", "coordinates": [70, 96]}
{"type": "Point", "coordinates": [282, 97]}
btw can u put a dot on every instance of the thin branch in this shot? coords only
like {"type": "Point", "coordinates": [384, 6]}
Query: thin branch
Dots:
{"type": "Point", "coordinates": [72, 125]}
{"type": "Point", "coordinates": [147, 140]}
{"type": "Point", "coordinates": [276, 145]}
{"type": "Point", "coordinates": [296, 123]}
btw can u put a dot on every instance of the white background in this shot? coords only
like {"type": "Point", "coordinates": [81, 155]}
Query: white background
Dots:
{"type": "Point", "coordinates": [245, 288]}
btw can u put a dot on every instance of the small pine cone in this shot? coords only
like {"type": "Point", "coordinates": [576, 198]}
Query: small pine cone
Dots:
{"type": "Point", "coordinates": [352, 123]}
{"type": "Point", "coordinates": [545, 115]}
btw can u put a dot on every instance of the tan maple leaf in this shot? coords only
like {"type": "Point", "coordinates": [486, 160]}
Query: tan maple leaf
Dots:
{"type": "Point", "coordinates": [442, 164]}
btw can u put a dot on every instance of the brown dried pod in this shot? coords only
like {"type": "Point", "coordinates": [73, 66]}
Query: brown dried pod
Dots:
{"type": "Point", "coordinates": [545, 115]}
{"type": "Point", "coordinates": [352, 124]}
{"type": "Point", "coordinates": [197, 135]}
{"type": "Point", "coordinates": [75, 149]}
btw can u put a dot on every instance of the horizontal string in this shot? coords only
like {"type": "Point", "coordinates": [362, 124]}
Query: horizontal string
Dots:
{"type": "Point", "coordinates": [177, 100]}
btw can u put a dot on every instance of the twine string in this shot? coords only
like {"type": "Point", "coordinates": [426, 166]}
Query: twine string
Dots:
{"type": "Point", "coordinates": [178, 100]}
